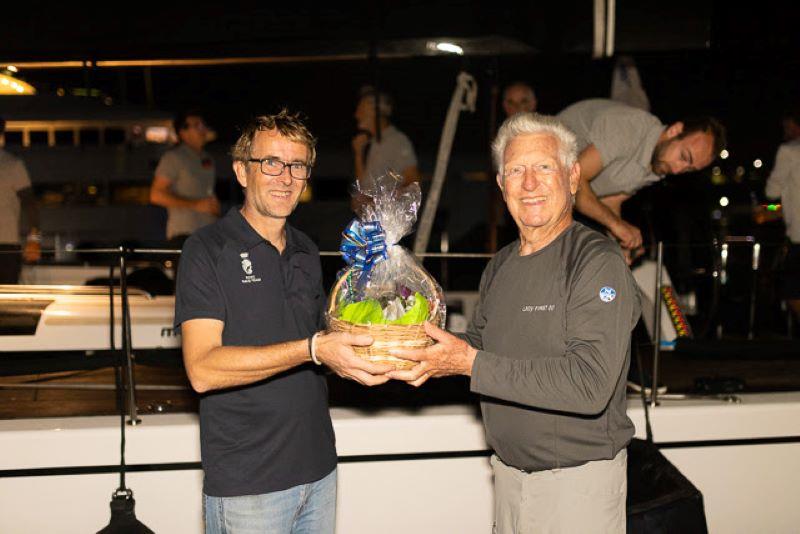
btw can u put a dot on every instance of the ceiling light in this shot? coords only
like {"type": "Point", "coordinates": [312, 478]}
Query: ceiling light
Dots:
{"type": "Point", "coordinates": [444, 46]}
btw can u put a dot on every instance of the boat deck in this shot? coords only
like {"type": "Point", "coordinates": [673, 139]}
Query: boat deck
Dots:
{"type": "Point", "coordinates": [166, 388]}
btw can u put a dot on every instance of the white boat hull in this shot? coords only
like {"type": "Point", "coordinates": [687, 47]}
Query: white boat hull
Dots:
{"type": "Point", "coordinates": [401, 471]}
{"type": "Point", "coordinates": [77, 318]}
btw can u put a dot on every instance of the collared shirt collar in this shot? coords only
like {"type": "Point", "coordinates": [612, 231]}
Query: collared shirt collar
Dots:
{"type": "Point", "coordinates": [240, 229]}
{"type": "Point", "coordinates": [388, 130]}
{"type": "Point", "coordinates": [186, 149]}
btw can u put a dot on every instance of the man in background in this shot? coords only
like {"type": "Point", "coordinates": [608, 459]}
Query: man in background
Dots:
{"type": "Point", "coordinates": [379, 145]}
{"type": "Point", "coordinates": [784, 183]}
{"type": "Point", "coordinates": [184, 180]}
{"type": "Point", "coordinates": [16, 196]}
{"type": "Point", "coordinates": [623, 149]}
{"type": "Point", "coordinates": [519, 97]}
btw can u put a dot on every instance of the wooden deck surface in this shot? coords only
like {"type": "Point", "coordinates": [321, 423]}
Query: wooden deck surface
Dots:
{"type": "Point", "coordinates": [92, 392]}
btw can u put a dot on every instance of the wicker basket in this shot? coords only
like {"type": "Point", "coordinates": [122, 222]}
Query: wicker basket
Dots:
{"type": "Point", "coordinates": [386, 336]}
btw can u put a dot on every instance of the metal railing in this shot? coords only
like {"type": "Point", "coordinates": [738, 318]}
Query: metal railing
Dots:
{"type": "Point", "coordinates": [121, 256]}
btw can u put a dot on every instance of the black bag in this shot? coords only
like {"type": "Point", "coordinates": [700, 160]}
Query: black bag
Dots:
{"type": "Point", "coordinates": [660, 499]}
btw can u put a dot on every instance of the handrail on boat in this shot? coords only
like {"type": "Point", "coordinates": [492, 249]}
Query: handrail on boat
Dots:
{"type": "Point", "coordinates": [122, 254]}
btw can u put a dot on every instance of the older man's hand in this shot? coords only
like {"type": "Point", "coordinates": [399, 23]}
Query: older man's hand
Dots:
{"type": "Point", "coordinates": [449, 356]}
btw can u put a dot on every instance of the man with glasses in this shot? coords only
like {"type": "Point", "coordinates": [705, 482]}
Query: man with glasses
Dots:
{"type": "Point", "coordinates": [548, 347]}
{"type": "Point", "coordinates": [250, 306]}
{"type": "Point", "coordinates": [184, 180]}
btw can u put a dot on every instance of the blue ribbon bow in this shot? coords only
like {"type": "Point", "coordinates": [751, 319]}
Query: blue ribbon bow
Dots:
{"type": "Point", "coordinates": [363, 246]}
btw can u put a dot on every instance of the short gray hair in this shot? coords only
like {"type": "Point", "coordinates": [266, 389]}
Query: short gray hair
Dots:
{"type": "Point", "coordinates": [289, 125]}
{"type": "Point", "coordinates": [534, 123]}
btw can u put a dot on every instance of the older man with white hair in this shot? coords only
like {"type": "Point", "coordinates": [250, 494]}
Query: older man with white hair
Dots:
{"type": "Point", "coordinates": [548, 348]}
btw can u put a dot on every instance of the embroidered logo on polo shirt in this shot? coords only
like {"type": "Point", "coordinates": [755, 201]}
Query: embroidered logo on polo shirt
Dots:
{"type": "Point", "coordinates": [247, 267]}
{"type": "Point", "coordinates": [607, 294]}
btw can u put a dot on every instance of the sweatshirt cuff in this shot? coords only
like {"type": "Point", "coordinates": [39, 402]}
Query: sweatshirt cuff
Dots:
{"type": "Point", "coordinates": [481, 368]}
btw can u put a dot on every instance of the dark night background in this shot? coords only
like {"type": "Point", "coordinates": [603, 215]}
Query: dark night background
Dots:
{"type": "Point", "coordinates": [738, 63]}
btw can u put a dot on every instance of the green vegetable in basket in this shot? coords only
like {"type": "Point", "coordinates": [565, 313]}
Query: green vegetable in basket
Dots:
{"type": "Point", "coordinates": [416, 314]}
{"type": "Point", "coordinates": [365, 312]}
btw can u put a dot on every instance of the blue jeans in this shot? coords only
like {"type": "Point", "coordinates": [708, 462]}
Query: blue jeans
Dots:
{"type": "Point", "coordinates": [305, 509]}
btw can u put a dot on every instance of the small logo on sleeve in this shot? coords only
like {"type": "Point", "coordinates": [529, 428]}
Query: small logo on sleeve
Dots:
{"type": "Point", "coordinates": [607, 294]}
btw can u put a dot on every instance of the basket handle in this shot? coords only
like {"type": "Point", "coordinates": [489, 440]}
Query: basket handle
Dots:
{"type": "Point", "coordinates": [335, 289]}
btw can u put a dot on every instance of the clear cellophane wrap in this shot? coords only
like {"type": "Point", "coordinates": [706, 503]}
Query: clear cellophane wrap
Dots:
{"type": "Point", "coordinates": [381, 270]}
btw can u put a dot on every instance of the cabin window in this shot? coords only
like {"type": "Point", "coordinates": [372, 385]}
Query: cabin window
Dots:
{"type": "Point", "coordinates": [115, 136]}
{"type": "Point", "coordinates": [90, 137]}
{"type": "Point", "coordinates": [64, 138]}
{"type": "Point", "coordinates": [38, 138]}
{"type": "Point", "coordinates": [13, 138]}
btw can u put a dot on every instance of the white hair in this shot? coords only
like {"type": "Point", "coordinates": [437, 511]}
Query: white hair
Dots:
{"type": "Point", "coordinates": [534, 123]}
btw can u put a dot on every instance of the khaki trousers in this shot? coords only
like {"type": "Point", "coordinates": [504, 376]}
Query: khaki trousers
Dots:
{"type": "Point", "coordinates": [586, 499]}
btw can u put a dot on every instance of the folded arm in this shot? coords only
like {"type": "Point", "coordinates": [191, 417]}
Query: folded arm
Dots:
{"type": "Point", "coordinates": [161, 194]}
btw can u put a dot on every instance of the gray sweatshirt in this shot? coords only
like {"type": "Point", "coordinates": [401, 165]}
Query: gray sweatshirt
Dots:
{"type": "Point", "coordinates": [553, 332]}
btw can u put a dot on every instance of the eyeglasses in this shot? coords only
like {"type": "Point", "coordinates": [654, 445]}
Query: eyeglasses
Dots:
{"type": "Point", "coordinates": [518, 171]}
{"type": "Point", "coordinates": [274, 167]}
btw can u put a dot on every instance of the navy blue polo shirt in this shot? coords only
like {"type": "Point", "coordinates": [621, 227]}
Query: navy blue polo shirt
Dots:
{"type": "Point", "coordinates": [277, 433]}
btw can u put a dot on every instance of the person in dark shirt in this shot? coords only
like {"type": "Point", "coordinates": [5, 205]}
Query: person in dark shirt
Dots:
{"type": "Point", "coordinates": [250, 306]}
{"type": "Point", "coordinates": [548, 347]}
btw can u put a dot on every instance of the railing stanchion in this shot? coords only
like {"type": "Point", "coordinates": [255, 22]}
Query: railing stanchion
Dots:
{"type": "Point", "coordinates": [657, 324]}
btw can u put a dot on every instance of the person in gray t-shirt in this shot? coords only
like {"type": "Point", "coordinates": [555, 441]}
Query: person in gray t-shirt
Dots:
{"type": "Point", "coordinates": [16, 197]}
{"type": "Point", "coordinates": [184, 180]}
{"type": "Point", "coordinates": [622, 149]}
{"type": "Point", "coordinates": [379, 146]}
{"type": "Point", "coordinates": [548, 347]}
{"type": "Point", "coordinates": [784, 184]}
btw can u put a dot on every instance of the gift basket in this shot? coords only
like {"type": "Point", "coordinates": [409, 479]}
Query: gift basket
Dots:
{"type": "Point", "coordinates": [384, 292]}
